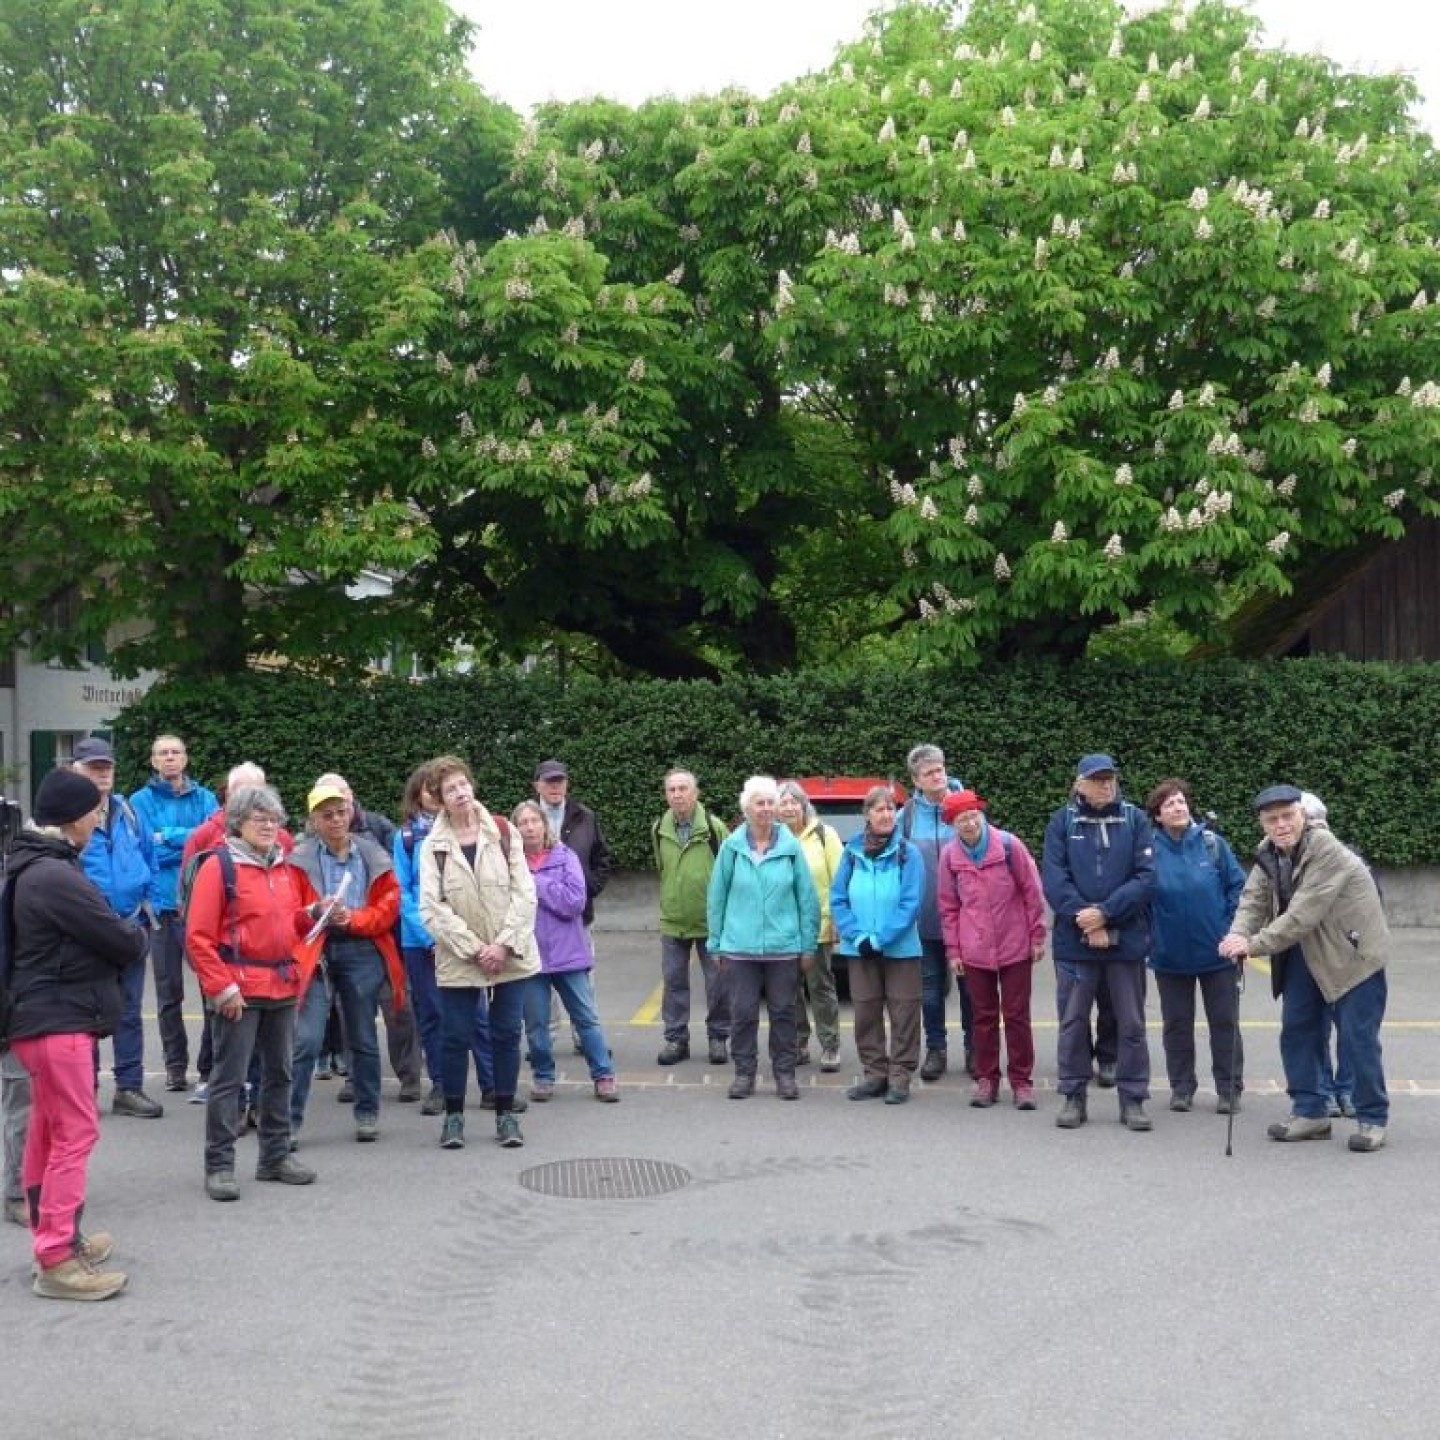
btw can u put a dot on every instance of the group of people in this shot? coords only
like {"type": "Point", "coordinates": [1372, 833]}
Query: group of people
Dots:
{"type": "Point", "coordinates": [470, 927]}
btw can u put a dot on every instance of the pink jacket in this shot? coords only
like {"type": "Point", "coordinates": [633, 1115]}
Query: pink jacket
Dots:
{"type": "Point", "coordinates": [992, 914]}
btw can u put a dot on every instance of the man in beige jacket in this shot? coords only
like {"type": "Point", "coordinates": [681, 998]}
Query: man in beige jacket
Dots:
{"type": "Point", "coordinates": [1311, 905]}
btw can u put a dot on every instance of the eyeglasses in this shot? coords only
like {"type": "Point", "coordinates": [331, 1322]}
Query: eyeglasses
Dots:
{"type": "Point", "coordinates": [269, 821]}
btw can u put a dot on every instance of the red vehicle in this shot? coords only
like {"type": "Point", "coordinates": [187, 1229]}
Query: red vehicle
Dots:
{"type": "Point", "coordinates": [838, 799]}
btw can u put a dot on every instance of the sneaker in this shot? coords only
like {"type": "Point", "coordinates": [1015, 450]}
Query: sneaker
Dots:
{"type": "Point", "coordinates": [410, 1092]}
{"type": "Point", "coordinates": [607, 1088]}
{"type": "Point", "coordinates": [786, 1086]}
{"type": "Point", "coordinates": [1133, 1116]}
{"type": "Point", "coordinates": [1300, 1127]}
{"type": "Point", "coordinates": [323, 1070]}
{"type": "Point", "coordinates": [867, 1090]}
{"type": "Point", "coordinates": [201, 1093]}
{"type": "Point", "coordinates": [1347, 1106]}
{"type": "Point", "coordinates": [367, 1128]}
{"type": "Point", "coordinates": [1072, 1113]}
{"type": "Point", "coordinates": [452, 1132]}
{"type": "Point", "coordinates": [338, 1065]}
{"type": "Point", "coordinates": [346, 1094]}
{"type": "Point", "coordinates": [175, 1081]}
{"type": "Point", "coordinates": [935, 1065]}
{"type": "Point", "coordinates": [742, 1087]}
{"type": "Point", "coordinates": [95, 1249]}
{"type": "Point", "coordinates": [77, 1279]}
{"type": "Point", "coordinates": [287, 1172]}
{"type": "Point", "coordinates": [674, 1052]}
{"type": "Point", "coordinates": [542, 1091]}
{"type": "Point", "coordinates": [1025, 1097]}
{"type": "Point", "coordinates": [507, 1131]}
{"type": "Point", "coordinates": [1182, 1102]}
{"type": "Point", "coordinates": [220, 1185]}
{"type": "Point", "coordinates": [830, 1061]}
{"type": "Point", "coordinates": [984, 1096]}
{"type": "Point", "coordinates": [17, 1212]}
{"type": "Point", "coordinates": [1228, 1105]}
{"type": "Point", "coordinates": [136, 1103]}
{"type": "Point", "coordinates": [719, 1051]}
{"type": "Point", "coordinates": [1367, 1138]}
{"type": "Point", "coordinates": [1105, 1074]}
{"type": "Point", "coordinates": [897, 1095]}
{"type": "Point", "coordinates": [434, 1102]}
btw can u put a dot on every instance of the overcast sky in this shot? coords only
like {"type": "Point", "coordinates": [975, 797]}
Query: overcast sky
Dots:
{"type": "Point", "coordinates": [533, 50]}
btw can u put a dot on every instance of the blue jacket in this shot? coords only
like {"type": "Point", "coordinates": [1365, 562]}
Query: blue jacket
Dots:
{"type": "Point", "coordinates": [413, 934]}
{"type": "Point", "coordinates": [168, 819]}
{"type": "Point", "coordinates": [921, 825]}
{"type": "Point", "coordinates": [1100, 857]}
{"type": "Point", "coordinates": [763, 906]}
{"type": "Point", "coordinates": [879, 899]}
{"type": "Point", "coordinates": [1194, 901]}
{"type": "Point", "coordinates": [119, 860]}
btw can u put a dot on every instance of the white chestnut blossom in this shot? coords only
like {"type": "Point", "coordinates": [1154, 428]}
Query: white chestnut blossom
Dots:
{"type": "Point", "coordinates": [928, 509]}
{"type": "Point", "coordinates": [1204, 230]}
{"type": "Point", "coordinates": [1124, 476]}
{"type": "Point", "coordinates": [1199, 198]}
{"type": "Point", "coordinates": [1114, 549]}
{"type": "Point", "coordinates": [1278, 545]}
{"type": "Point", "coordinates": [1393, 500]}
{"type": "Point", "coordinates": [975, 488]}
{"type": "Point", "coordinates": [1059, 535]}
{"type": "Point", "coordinates": [972, 515]}
{"type": "Point", "coordinates": [1202, 110]}
{"type": "Point", "coordinates": [887, 131]}
{"type": "Point", "coordinates": [1002, 568]}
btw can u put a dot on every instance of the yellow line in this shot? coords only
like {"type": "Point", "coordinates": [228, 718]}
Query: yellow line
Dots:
{"type": "Point", "coordinates": [649, 1012]}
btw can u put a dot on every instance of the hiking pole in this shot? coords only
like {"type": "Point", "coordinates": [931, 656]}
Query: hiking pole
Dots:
{"type": "Point", "coordinates": [1234, 1058]}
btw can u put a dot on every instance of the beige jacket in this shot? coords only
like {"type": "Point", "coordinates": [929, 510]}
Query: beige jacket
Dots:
{"type": "Point", "coordinates": [465, 906]}
{"type": "Point", "coordinates": [1335, 914]}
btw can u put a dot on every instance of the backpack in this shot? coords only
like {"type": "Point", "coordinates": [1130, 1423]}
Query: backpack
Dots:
{"type": "Point", "coordinates": [407, 838]}
{"type": "Point", "coordinates": [7, 955]}
{"type": "Point", "coordinates": [187, 878]}
{"type": "Point", "coordinates": [711, 838]}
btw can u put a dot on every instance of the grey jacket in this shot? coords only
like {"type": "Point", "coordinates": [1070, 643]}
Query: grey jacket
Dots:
{"type": "Point", "coordinates": [1334, 915]}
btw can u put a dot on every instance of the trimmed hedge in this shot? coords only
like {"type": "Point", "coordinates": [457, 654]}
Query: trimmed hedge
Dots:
{"type": "Point", "coordinates": [1362, 736]}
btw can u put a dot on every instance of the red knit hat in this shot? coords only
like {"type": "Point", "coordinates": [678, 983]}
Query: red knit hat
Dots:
{"type": "Point", "coordinates": [959, 803]}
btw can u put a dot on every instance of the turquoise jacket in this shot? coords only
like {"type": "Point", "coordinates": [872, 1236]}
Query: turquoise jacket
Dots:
{"type": "Point", "coordinates": [762, 906]}
{"type": "Point", "coordinates": [879, 899]}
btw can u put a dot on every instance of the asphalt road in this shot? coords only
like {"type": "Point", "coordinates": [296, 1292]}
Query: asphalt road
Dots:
{"type": "Point", "coordinates": [829, 1270]}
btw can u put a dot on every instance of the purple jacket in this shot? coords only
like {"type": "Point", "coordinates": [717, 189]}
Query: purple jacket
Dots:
{"type": "Point", "coordinates": [559, 911]}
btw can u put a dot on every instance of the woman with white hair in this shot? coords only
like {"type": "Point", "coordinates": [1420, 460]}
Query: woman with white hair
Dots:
{"type": "Point", "coordinates": [763, 917]}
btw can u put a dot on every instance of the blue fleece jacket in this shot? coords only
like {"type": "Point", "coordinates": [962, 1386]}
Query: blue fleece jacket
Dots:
{"type": "Point", "coordinates": [119, 860]}
{"type": "Point", "coordinates": [168, 817]}
{"type": "Point", "coordinates": [921, 825]}
{"type": "Point", "coordinates": [761, 906]}
{"type": "Point", "coordinates": [413, 934]}
{"type": "Point", "coordinates": [1194, 901]}
{"type": "Point", "coordinates": [878, 899]}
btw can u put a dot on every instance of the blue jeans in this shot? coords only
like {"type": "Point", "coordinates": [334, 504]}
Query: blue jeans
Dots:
{"type": "Point", "coordinates": [935, 977]}
{"type": "Point", "coordinates": [463, 1013]}
{"type": "Point", "coordinates": [1358, 1014]}
{"type": "Point", "coordinates": [1337, 1080]}
{"type": "Point", "coordinates": [309, 1038]}
{"type": "Point", "coordinates": [128, 1042]}
{"type": "Point", "coordinates": [425, 999]}
{"type": "Point", "coordinates": [577, 995]}
{"type": "Point", "coordinates": [357, 971]}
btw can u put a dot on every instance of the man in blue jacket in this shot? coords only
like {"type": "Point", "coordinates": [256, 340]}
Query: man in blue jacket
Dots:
{"type": "Point", "coordinates": [120, 864]}
{"type": "Point", "coordinates": [1098, 873]}
{"type": "Point", "coordinates": [170, 807]}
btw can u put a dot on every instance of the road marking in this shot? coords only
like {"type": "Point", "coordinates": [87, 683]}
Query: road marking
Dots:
{"type": "Point", "coordinates": [649, 1012]}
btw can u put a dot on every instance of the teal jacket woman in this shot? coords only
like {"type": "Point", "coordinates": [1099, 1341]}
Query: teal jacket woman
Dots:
{"type": "Point", "coordinates": [762, 906]}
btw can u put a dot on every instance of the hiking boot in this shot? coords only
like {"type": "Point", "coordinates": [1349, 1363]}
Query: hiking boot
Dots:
{"type": "Point", "coordinates": [220, 1185]}
{"type": "Point", "coordinates": [830, 1060]}
{"type": "Point", "coordinates": [1367, 1138]}
{"type": "Point", "coordinates": [1228, 1105]}
{"type": "Point", "coordinates": [719, 1050]}
{"type": "Point", "coordinates": [897, 1095]}
{"type": "Point", "coordinates": [984, 1096]}
{"type": "Point", "coordinates": [136, 1103]}
{"type": "Point", "coordinates": [802, 1055]}
{"type": "Point", "coordinates": [1105, 1074]}
{"type": "Point", "coordinates": [607, 1089]}
{"type": "Point", "coordinates": [542, 1091]}
{"type": "Point", "coordinates": [1025, 1097]}
{"type": "Point", "coordinates": [17, 1212]}
{"type": "Point", "coordinates": [1182, 1102]}
{"type": "Point", "coordinates": [935, 1065]}
{"type": "Point", "coordinates": [1072, 1113]}
{"type": "Point", "coordinates": [742, 1087]}
{"type": "Point", "coordinates": [1133, 1116]}
{"type": "Point", "coordinates": [787, 1087]}
{"type": "Point", "coordinates": [434, 1102]}
{"type": "Point", "coordinates": [507, 1131]}
{"type": "Point", "coordinates": [452, 1132]}
{"type": "Point", "coordinates": [367, 1128]}
{"type": "Point", "coordinates": [77, 1279]}
{"type": "Point", "coordinates": [287, 1172]}
{"type": "Point", "coordinates": [674, 1052]}
{"type": "Point", "coordinates": [95, 1249]}
{"type": "Point", "coordinates": [867, 1090]}
{"type": "Point", "coordinates": [1300, 1127]}
{"type": "Point", "coordinates": [175, 1080]}
{"type": "Point", "coordinates": [410, 1092]}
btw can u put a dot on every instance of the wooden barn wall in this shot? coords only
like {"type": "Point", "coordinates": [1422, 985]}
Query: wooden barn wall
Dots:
{"type": "Point", "coordinates": [1391, 611]}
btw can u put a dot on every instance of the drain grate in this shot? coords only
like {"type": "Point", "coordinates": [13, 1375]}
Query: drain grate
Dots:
{"type": "Point", "coordinates": [612, 1179]}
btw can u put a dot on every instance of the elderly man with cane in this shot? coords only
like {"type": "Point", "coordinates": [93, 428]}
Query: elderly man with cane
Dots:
{"type": "Point", "coordinates": [1311, 905]}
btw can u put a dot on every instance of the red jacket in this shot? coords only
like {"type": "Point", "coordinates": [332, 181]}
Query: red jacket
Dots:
{"type": "Point", "coordinates": [993, 914]}
{"type": "Point", "coordinates": [263, 925]}
{"type": "Point", "coordinates": [374, 920]}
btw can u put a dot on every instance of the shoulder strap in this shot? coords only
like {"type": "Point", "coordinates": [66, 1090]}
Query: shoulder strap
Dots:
{"type": "Point", "coordinates": [1007, 841]}
{"type": "Point", "coordinates": [711, 837]}
{"type": "Point", "coordinates": [1212, 846]}
{"type": "Point", "coordinates": [907, 820]}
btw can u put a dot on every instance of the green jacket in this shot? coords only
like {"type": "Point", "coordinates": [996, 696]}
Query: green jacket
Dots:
{"type": "Point", "coordinates": [685, 872]}
{"type": "Point", "coordinates": [1335, 915]}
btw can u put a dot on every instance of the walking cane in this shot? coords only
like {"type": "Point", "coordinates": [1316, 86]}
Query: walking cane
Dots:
{"type": "Point", "coordinates": [1234, 1057]}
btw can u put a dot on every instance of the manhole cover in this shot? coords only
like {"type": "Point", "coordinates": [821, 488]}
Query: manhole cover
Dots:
{"type": "Point", "coordinates": [604, 1179]}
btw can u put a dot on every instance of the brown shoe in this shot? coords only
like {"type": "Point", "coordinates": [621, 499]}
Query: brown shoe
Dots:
{"type": "Point", "coordinates": [77, 1279]}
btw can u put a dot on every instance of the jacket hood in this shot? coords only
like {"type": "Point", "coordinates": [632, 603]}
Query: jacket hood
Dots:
{"type": "Point", "coordinates": [31, 846]}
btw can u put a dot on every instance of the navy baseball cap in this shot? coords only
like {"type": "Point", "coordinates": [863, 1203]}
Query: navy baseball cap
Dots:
{"type": "Point", "coordinates": [93, 750]}
{"type": "Point", "coordinates": [1093, 765]}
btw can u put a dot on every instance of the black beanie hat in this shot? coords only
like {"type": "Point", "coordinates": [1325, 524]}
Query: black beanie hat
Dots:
{"type": "Point", "coordinates": [64, 797]}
